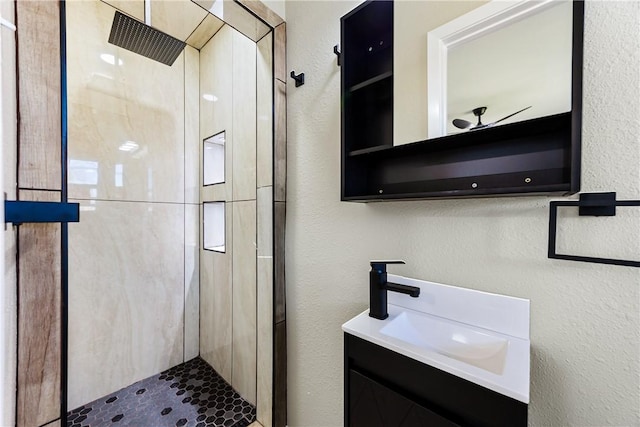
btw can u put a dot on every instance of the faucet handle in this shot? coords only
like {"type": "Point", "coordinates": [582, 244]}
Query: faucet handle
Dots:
{"type": "Point", "coordinates": [381, 266]}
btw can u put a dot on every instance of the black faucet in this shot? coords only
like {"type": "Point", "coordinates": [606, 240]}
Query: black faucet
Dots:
{"type": "Point", "coordinates": [378, 287]}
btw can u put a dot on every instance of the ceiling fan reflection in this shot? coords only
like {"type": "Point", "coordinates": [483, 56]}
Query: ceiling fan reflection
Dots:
{"type": "Point", "coordinates": [478, 112]}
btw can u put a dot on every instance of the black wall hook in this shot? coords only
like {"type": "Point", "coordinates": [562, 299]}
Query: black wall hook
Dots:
{"type": "Point", "coordinates": [336, 50]}
{"type": "Point", "coordinates": [299, 78]}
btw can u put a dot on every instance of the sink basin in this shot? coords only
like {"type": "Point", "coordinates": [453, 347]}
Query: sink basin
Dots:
{"type": "Point", "coordinates": [479, 349]}
{"type": "Point", "coordinates": [478, 336]}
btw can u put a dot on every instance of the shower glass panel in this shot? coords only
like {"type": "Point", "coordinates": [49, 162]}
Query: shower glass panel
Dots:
{"type": "Point", "coordinates": [128, 257]}
{"type": "Point", "coordinates": [161, 331]}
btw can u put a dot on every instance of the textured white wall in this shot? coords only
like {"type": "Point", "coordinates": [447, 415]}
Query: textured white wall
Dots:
{"type": "Point", "coordinates": [585, 322]}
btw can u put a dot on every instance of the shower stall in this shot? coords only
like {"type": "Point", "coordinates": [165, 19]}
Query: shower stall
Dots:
{"type": "Point", "coordinates": [169, 305]}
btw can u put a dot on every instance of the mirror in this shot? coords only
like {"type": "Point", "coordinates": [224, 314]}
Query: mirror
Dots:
{"type": "Point", "coordinates": [477, 63]}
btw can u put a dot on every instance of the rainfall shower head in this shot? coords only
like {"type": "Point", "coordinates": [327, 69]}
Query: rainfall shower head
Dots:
{"type": "Point", "coordinates": [139, 38]}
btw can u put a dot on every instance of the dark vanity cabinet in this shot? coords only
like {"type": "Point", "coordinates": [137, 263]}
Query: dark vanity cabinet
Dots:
{"type": "Point", "coordinates": [373, 404]}
{"type": "Point", "coordinates": [387, 389]}
{"type": "Point", "coordinates": [537, 156]}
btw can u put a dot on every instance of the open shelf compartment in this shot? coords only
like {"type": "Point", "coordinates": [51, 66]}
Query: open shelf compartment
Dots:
{"type": "Point", "coordinates": [213, 155]}
{"type": "Point", "coordinates": [214, 226]}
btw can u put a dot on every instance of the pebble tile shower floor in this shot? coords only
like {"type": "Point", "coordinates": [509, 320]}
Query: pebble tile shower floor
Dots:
{"type": "Point", "coordinates": [191, 394]}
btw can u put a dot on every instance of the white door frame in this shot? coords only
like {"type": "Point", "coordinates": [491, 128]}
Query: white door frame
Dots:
{"type": "Point", "coordinates": [470, 26]}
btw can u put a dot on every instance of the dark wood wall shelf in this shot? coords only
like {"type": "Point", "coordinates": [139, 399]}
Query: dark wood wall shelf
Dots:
{"type": "Point", "coordinates": [367, 80]}
{"type": "Point", "coordinates": [370, 150]}
{"type": "Point", "coordinates": [533, 157]}
{"type": "Point", "coordinates": [371, 81]}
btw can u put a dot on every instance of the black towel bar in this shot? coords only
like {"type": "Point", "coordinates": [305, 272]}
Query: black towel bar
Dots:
{"type": "Point", "coordinates": [590, 204]}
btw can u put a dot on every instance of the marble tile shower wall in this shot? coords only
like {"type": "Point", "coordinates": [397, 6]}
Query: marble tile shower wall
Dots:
{"type": "Point", "coordinates": [264, 183]}
{"type": "Point", "coordinates": [133, 167]}
{"type": "Point", "coordinates": [236, 286]}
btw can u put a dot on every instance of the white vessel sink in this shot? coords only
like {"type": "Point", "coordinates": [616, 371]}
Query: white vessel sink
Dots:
{"type": "Point", "coordinates": [477, 336]}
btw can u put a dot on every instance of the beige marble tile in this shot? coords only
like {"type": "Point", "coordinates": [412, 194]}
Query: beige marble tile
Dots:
{"type": "Point", "coordinates": [133, 8]}
{"type": "Point", "coordinates": [244, 299]}
{"type": "Point", "coordinates": [126, 295]}
{"type": "Point", "coordinates": [113, 70]}
{"type": "Point", "coordinates": [216, 294]}
{"type": "Point", "coordinates": [280, 114]}
{"type": "Point", "coordinates": [178, 18]}
{"type": "Point", "coordinates": [265, 221]}
{"type": "Point", "coordinates": [216, 192]}
{"type": "Point", "coordinates": [264, 385]}
{"type": "Point", "coordinates": [9, 316]}
{"type": "Point", "coordinates": [9, 112]}
{"type": "Point", "coordinates": [280, 142]}
{"type": "Point", "coordinates": [236, 16]}
{"type": "Point", "coordinates": [264, 100]}
{"type": "Point", "coordinates": [205, 31]}
{"type": "Point", "coordinates": [279, 213]}
{"type": "Point", "coordinates": [39, 94]}
{"type": "Point", "coordinates": [244, 118]}
{"type": "Point", "coordinates": [191, 281]}
{"type": "Point", "coordinates": [280, 52]}
{"type": "Point", "coordinates": [262, 11]}
{"type": "Point", "coordinates": [192, 125]}
{"type": "Point", "coordinates": [216, 104]}
{"type": "Point", "coordinates": [55, 423]}
{"type": "Point", "coordinates": [7, 9]}
{"type": "Point", "coordinates": [126, 130]}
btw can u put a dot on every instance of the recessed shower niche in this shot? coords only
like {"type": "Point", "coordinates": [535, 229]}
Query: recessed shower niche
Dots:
{"type": "Point", "coordinates": [213, 159]}
{"type": "Point", "coordinates": [213, 226]}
